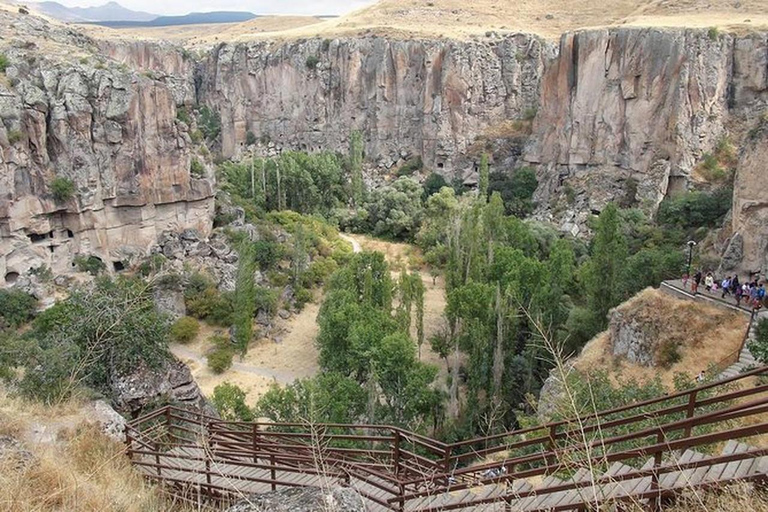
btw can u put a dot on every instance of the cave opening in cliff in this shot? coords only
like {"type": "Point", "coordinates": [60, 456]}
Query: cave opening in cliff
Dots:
{"type": "Point", "coordinates": [11, 277]}
{"type": "Point", "coordinates": [36, 237]}
{"type": "Point", "coordinates": [70, 234]}
{"type": "Point", "coordinates": [119, 266]}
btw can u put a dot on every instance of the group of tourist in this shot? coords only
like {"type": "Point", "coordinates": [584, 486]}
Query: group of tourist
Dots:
{"type": "Point", "coordinates": [752, 293]}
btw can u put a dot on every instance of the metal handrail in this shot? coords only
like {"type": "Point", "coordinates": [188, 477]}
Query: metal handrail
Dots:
{"type": "Point", "coordinates": [405, 475]}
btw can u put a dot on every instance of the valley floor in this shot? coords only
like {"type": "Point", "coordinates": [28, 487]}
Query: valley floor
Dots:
{"type": "Point", "coordinates": [295, 356]}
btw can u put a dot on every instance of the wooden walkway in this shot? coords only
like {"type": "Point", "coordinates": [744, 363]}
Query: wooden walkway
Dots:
{"type": "Point", "coordinates": [641, 453]}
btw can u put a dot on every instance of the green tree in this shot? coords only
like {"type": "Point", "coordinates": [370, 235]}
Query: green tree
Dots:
{"type": "Point", "coordinates": [395, 210]}
{"type": "Point", "coordinates": [16, 308]}
{"type": "Point", "coordinates": [483, 180]}
{"type": "Point", "coordinates": [245, 297]}
{"type": "Point", "coordinates": [356, 167]}
{"type": "Point", "coordinates": [327, 398]}
{"type": "Point", "coordinates": [98, 333]}
{"type": "Point", "coordinates": [229, 401]}
{"type": "Point", "coordinates": [603, 275]}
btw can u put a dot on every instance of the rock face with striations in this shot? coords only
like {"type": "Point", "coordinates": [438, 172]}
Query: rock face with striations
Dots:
{"type": "Point", "coordinates": [644, 104]}
{"type": "Point", "coordinates": [408, 98]}
{"type": "Point", "coordinates": [69, 115]}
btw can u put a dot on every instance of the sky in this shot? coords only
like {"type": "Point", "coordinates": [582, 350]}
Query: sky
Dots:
{"type": "Point", "coordinates": [174, 7]}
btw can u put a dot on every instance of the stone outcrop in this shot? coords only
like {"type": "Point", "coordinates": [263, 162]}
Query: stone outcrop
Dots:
{"type": "Point", "coordinates": [145, 386]}
{"type": "Point", "coordinates": [408, 98]}
{"type": "Point", "coordinates": [643, 104]}
{"type": "Point", "coordinates": [309, 499]}
{"type": "Point", "coordinates": [70, 114]}
{"type": "Point", "coordinates": [748, 248]}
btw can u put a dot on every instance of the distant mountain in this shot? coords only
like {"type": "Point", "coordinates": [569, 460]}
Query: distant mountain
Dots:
{"type": "Point", "coordinates": [111, 11]}
{"type": "Point", "coordinates": [195, 18]}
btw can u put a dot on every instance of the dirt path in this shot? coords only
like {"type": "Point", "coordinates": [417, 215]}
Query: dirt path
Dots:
{"type": "Point", "coordinates": [267, 362]}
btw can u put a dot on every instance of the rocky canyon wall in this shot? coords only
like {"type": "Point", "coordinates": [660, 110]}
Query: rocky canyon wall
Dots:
{"type": "Point", "coordinates": [70, 114]}
{"type": "Point", "coordinates": [408, 97]}
{"type": "Point", "coordinates": [639, 104]}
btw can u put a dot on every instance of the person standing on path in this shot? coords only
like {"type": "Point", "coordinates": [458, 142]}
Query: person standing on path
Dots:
{"type": "Point", "coordinates": [726, 286]}
{"type": "Point", "coordinates": [709, 281]}
{"type": "Point", "coordinates": [696, 282]}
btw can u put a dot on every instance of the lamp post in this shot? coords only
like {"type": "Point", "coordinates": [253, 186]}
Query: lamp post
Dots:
{"type": "Point", "coordinates": [691, 245]}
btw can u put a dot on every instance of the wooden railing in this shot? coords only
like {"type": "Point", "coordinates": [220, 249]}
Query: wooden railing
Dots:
{"type": "Point", "coordinates": [392, 467]}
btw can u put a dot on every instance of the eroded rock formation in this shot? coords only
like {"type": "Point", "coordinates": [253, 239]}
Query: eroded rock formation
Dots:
{"type": "Point", "coordinates": [409, 98]}
{"type": "Point", "coordinates": [643, 104]}
{"type": "Point", "coordinates": [112, 132]}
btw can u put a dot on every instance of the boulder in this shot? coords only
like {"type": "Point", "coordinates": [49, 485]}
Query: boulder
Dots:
{"type": "Point", "coordinates": [172, 382]}
{"type": "Point", "coordinates": [306, 499]}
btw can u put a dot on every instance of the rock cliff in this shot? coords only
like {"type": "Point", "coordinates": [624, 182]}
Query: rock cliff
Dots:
{"type": "Point", "coordinates": [409, 98]}
{"type": "Point", "coordinates": [73, 116]}
{"type": "Point", "coordinates": [643, 104]}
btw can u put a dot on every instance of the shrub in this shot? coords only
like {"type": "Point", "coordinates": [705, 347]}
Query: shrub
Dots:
{"type": "Point", "coordinates": [312, 62]}
{"type": "Point", "coordinates": [185, 329]}
{"type": "Point", "coordinates": [759, 345]}
{"type": "Point", "coordinates": [695, 209]}
{"type": "Point", "coordinates": [433, 184]}
{"type": "Point", "coordinates": [16, 308]}
{"type": "Point", "coordinates": [409, 167]}
{"type": "Point", "coordinates": [220, 357]}
{"type": "Point", "coordinates": [196, 168]}
{"type": "Point", "coordinates": [91, 264]}
{"type": "Point", "coordinates": [196, 136]}
{"type": "Point", "coordinates": [4, 63]}
{"type": "Point", "coordinates": [326, 45]}
{"type": "Point", "coordinates": [266, 299]}
{"type": "Point", "coordinates": [209, 123]}
{"type": "Point", "coordinates": [668, 354]}
{"type": "Point", "coordinates": [250, 138]}
{"type": "Point", "coordinates": [229, 401]}
{"type": "Point", "coordinates": [62, 189]}
{"type": "Point", "coordinates": [14, 136]}
{"type": "Point", "coordinates": [529, 113]}
{"type": "Point", "coordinates": [210, 305]}
{"type": "Point", "coordinates": [183, 115]}
{"type": "Point", "coordinates": [268, 254]}
{"type": "Point", "coordinates": [713, 33]}
{"type": "Point", "coordinates": [302, 297]}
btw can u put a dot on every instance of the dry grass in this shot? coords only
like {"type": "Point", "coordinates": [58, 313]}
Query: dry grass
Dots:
{"type": "Point", "coordinates": [205, 33]}
{"type": "Point", "coordinates": [77, 470]}
{"type": "Point", "coordinates": [549, 18]}
{"type": "Point", "coordinates": [705, 335]}
{"type": "Point", "coordinates": [738, 497]}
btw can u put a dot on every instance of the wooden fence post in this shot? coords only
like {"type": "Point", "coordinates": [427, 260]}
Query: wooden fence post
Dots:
{"type": "Point", "coordinates": [552, 445]}
{"type": "Point", "coordinates": [690, 412]}
{"type": "Point", "coordinates": [272, 471]}
{"type": "Point", "coordinates": [656, 500]}
{"type": "Point", "coordinates": [255, 443]}
{"type": "Point", "coordinates": [447, 465]}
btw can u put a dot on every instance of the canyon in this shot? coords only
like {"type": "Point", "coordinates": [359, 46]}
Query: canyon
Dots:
{"type": "Point", "coordinates": [606, 107]}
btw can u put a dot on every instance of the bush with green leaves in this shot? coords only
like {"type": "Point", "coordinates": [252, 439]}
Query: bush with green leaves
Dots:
{"type": "Point", "coordinates": [220, 356]}
{"type": "Point", "coordinates": [14, 136]}
{"type": "Point", "coordinates": [209, 122]}
{"type": "Point", "coordinates": [4, 63]}
{"type": "Point", "coordinates": [16, 308]}
{"type": "Point", "coordinates": [185, 329]}
{"type": "Point", "coordinates": [411, 166]}
{"type": "Point", "coordinates": [62, 189]}
{"type": "Point", "coordinates": [229, 401]}
{"type": "Point", "coordinates": [182, 114]}
{"type": "Point", "coordinates": [695, 209]}
{"type": "Point", "coordinates": [90, 264]}
{"type": "Point", "coordinates": [312, 62]}
{"type": "Point", "coordinates": [196, 168]}
{"type": "Point", "coordinates": [433, 184]}
{"type": "Point", "coordinates": [100, 332]}
{"type": "Point", "coordinates": [759, 345]}
{"type": "Point", "coordinates": [395, 211]}
{"type": "Point", "coordinates": [250, 138]}
{"type": "Point", "coordinates": [210, 305]}
{"type": "Point", "coordinates": [516, 190]}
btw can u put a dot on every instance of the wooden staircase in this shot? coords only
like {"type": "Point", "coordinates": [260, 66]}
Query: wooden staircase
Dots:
{"type": "Point", "coordinates": [640, 453]}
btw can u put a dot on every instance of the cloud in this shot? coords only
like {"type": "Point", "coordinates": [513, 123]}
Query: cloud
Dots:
{"type": "Point", "coordinates": [175, 7]}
